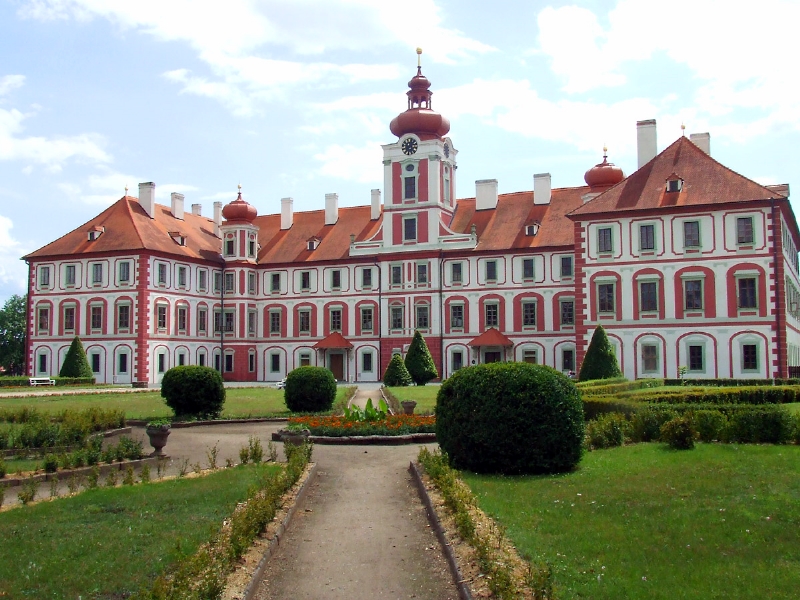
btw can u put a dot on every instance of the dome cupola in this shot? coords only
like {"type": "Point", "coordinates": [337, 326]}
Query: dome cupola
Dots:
{"type": "Point", "coordinates": [604, 174]}
{"type": "Point", "coordinates": [239, 210]}
{"type": "Point", "coordinates": [420, 119]}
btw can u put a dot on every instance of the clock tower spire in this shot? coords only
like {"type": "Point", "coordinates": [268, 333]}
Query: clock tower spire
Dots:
{"type": "Point", "coordinates": [419, 171]}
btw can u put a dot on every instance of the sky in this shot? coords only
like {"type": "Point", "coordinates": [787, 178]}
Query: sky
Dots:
{"type": "Point", "coordinates": [294, 98]}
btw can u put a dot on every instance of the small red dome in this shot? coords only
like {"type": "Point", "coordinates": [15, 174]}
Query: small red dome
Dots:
{"type": "Point", "coordinates": [603, 175]}
{"type": "Point", "coordinates": [239, 210]}
{"type": "Point", "coordinates": [420, 118]}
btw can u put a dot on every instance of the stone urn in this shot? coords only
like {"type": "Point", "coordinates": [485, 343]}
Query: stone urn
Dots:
{"type": "Point", "coordinates": [293, 436]}
{"type": "Point", "coordinates": [158, 435]}
{"type": "Point", "coordinates": [408, 407]}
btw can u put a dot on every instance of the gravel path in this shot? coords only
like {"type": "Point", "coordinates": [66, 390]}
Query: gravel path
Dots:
{"type": "Point", "coordinates": [361, 534]}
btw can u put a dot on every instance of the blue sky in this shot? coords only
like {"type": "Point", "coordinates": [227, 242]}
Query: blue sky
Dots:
{"type": "Point", "coordinates": [294, 98]}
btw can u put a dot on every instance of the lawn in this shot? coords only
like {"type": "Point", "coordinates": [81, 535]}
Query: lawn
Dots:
{"type": "Point", "coordinates": [720, 521]}
{"type": "Point", "coordinates": [239, 403]}
{"type": "Point", "coordinates": [424, 396]}
{"type": "Point", "coordinates": [125, 536]}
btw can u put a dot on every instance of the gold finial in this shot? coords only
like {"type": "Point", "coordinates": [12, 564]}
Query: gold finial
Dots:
{"type": "Point", "coordinates": [683, 129]}
{"type": "Point", "coordinates": [239, 186]}
{"type": "Point", "coordinates": [126, 189]}
{"type": "Point", "coordinates": [419, 57]}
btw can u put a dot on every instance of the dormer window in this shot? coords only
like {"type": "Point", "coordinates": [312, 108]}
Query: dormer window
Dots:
{"type": "Point", "coordinates": [313, 243]}
{"type": "Point", "coordinates": [178, 237]}
{"type": "Point", "coordinates": [96, 232]}
{"type": "Point", "coordinates": [532, 229]}
{"type": "Point", "coordinates": [674, 183]}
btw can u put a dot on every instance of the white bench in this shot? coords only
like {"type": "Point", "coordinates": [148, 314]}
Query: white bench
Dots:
{"type": "Point", "coordinates": [41, 381]}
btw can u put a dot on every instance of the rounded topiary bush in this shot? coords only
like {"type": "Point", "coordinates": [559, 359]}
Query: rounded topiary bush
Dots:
{"type": "Point", "coordinates": [193, 392]}
{"type": "Point", "coordinates": [309, 389]}
{"type": "Point", "coordinates": [510, 418]}
{"type": "Point", "coordinates": [678, 433]}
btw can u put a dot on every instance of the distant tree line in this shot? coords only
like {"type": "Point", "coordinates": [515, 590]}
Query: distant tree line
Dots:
{"type": "Point", "coordinates": [12, 335]}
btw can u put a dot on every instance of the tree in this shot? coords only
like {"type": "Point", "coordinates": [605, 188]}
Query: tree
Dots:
{"type": "Point", "coordinates": [75, 362]}
{"type": "Point", "coordinates": [396, 373]}
{"type": "Point", "coordinates": [13, 334]}
{"type": "Point", "coordinates": [309, 389]}
{"type": "Point", "coordinates": [192, 391]}
{"type": "Point", "coordinates": [600, 361]}
{"type": "Point", "coordinates": [419, 361]}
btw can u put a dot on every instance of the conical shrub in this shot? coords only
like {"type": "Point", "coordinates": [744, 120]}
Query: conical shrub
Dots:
{"type": "Point", "coordinates": [396, 373]}
{"type": "Point", "coordinates": [419, 361]}
{"type": "Point", "coordinates": [600, 361]}
{"type": "Point", "coordinates": [75, 362]}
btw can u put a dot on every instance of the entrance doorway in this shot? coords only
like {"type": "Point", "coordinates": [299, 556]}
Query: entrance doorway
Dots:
{"type": "Point", "coordinates": [492, 356]}
{"type": "Point", "coordinates": [336, 365]}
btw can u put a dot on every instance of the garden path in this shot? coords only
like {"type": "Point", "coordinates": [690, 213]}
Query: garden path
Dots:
{"type": "Point", "coordinates": [366, 391]}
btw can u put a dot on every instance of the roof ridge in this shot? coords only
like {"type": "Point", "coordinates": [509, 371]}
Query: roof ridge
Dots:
{"type": "Point", "coordinates": [133, 221]}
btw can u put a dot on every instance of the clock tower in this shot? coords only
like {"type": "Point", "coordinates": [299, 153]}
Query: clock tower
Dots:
{"type": "Point", "coordinates": [419, 171]}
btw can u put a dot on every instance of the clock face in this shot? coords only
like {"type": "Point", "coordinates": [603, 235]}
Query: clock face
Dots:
{"type": "Point", "coordinates": [446, 150]}
{"type": "Point", "coordinates": [409, 146]}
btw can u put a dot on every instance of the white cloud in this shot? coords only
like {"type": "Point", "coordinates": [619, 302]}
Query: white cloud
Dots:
{"type": "Point", "coordinates": [11, 82]}
{"type": "Point", "coordinates": [238, 40]}
{"type": "Point", "coordinates": [50, 152]}
{"type": "Point", "coordinates": [107, 186]}
{"type": "Point", "coordinates": [13, 272]}
{"type": "Point", "coordinates": [352, 163]}
{"type": "Point", "coordinates": [737, 58]}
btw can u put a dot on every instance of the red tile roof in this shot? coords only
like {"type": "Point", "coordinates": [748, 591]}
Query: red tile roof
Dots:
{"type": "Point", "coordinates": [334, 340]}
{"type": "Point", "coordinates": [705, 181]}
{"type": "Point", "coordinates": [290, 245]}
{"type": "Point", "coordinates": [504, 227]}
{"type": "Point", "coordinates": [491, 337]}
{"type": "Point", "coordinates": [128, 228]}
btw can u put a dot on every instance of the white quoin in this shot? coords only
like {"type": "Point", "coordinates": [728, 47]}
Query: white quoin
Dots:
{"type": "Point", "coordinates": [485, 194]}
{"type": "Point", "coordinates": [542, 188]}
{"type": "Point", "coordinates": [147, 198]}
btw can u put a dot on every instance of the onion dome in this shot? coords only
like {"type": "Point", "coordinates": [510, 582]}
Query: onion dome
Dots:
{"type": "Point", "coordinates": [603, 175]}
{"type": "Point", "coordinates": [239, 210]}
{"type": "Point", "coordinates": [420, 118]}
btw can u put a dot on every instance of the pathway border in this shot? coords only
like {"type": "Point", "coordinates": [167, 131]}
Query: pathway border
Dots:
{"type": "Point", "coordinates": [255, 578]}
{"type": "Point", "coordinates": [433, 518]}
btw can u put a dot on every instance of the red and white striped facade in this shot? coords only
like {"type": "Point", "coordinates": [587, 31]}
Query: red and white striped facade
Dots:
{"type": "Point", "coordinates": [684, 262]}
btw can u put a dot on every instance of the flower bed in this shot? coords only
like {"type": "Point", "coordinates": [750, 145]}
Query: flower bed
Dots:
{"type": "Point", "coordinates": [340, 427]}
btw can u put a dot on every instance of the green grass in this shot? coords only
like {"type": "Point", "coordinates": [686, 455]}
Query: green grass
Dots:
{"type": "Point", "coordinates": [239, 403]}
{"type": "Point", "coordinates": [424, 396]}
{"type": "Point", "coordinates": [720, 521]}
{"type": "Point", "coordinates": [106, 543]}
{"type": "Point", "coordinates": [15, 465]}
{"type": "Point", "coordinates": [794, 408]}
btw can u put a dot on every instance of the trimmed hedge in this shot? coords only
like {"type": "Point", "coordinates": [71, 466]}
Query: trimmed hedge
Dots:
{"type": "Point", "coordinates": [75, 362]}
{"type": "Point", "coordinates": [741, 395]}
{"type": "Point", "coordinates": [721, 382]}
{"type": "Point", "coordinates": [309, 389]}
{"type": "Point", "coordinates": [419, 361]}
{"type": "Point", "coordinates": [617, 387]}
{"type": "Point", "coordinates": [24, 381]}
{"type": "Point", "coordinates": [581, 385]}
{"type": "Point", "coordinates": [192, 391]}
{"type": "Point", "coordinates": [33, 429]}
{"type": "Point", "coordinates": [510, 418]}
{"type": "Point", "coordinates": [594, 406]}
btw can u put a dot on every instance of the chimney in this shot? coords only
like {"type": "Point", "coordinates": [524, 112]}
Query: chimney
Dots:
{"type": "Point", "coordinates": [217, 218]}
{"type": "Point", "coordinates": [287, 216]}
{"type": "Point", "coordinates": [197, 209]}
{"type": "Point", "coordinates": [541, 188]}
{"type": "Point", "coordinates": [702, 141]}
{"type": "Point", "coordinates": [147, 198]}
{"type": "Point", "coordinates": [375, 213]}
{"type": "Point", "coordinates": [331, 209]}
{"type": "Point", "coordinates": [177, 205]}
{"type": "Point", "coordinates": [646, 141]}
{"type": "Point", "coordinates": [485, 194]}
